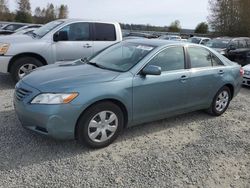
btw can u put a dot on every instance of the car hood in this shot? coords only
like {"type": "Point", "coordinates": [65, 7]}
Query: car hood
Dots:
{"type": "Point", "coordinates": [15, 39]}
{"type": "Point", "coordinates": [247, 67]}
{"type": "Point", "coordinates": [67, 75]}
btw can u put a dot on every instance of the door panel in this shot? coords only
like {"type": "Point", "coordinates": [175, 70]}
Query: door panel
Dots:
{"type": "Point", "coordinates": [204, 83]}
{"type": "Point", "coordinates": [78, 43]}
{"type": "Point", "coordinates": [154, 96]}
{"type": "Point", "coordinates": [71, 50]}
{"type": "Point", "coordinates": [206, 75]}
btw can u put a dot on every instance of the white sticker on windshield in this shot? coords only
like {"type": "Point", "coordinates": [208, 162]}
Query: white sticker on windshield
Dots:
{"type": "Point", "coordinates": [147, 48]}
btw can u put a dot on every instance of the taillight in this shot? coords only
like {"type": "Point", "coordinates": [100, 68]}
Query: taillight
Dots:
{"type": "Point", "coordinates": [241, 71]}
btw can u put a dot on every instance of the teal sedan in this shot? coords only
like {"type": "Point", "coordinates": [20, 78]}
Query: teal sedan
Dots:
{"type": "Point", "coordinates": [129, 83]}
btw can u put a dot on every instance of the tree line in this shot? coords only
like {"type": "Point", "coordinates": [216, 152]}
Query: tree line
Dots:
{"type": "Point", "coordinates": [24, 12]}
{"type": "Point", "coordinates": [230, 17]}
{"type": "Point", "coordinates": [175, 26]}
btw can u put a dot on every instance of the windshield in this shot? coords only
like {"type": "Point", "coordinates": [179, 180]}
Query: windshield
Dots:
{"type": "Point", "coordinates": [194, 40]}
{"type": "Point", "coordinates": [47, 28]}
{"type": "Point", "coordinates": [122, 56]}
{"type": "Point", "coordinates": [216, 43]}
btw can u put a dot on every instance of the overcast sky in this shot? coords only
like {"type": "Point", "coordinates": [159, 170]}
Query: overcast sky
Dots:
{"type": "Point", "coordinates": [154, 12]}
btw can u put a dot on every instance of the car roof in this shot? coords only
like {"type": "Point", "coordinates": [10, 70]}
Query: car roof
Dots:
{"type": "Point", "coordinates": [200, 37]}
{"type": "Point", "coordinates": [69, 20]}
{"type": "Point", "coordinates": [155, 42]}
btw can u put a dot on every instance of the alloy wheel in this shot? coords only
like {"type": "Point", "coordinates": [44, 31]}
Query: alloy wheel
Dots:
{"type": "Point", "coordinates": [25, 69]}
{"type": "Point", "coordinates": [222, 101]}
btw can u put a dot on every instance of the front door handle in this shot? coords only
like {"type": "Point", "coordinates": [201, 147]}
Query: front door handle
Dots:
{"type": "Point", "coordinates": [221, 72]}
{"type": "Point", "coordinates": [87, 46]}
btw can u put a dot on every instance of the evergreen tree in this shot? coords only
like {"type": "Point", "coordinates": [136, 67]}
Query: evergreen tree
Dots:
{"type": "Point", "coordinates": [63, 12]}
{"type": "Point", "coordinates": [23, 13]}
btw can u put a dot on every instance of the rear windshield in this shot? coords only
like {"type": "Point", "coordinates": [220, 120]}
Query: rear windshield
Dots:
{"type": "Point", "coordinates": [216, 43]}
{"type": "Point", "coordinates": [194, 40]}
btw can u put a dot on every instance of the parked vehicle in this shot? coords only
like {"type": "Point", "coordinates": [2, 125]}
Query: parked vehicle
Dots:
{"type": "Point", "coordinates": [129, 83]}
{"type": "Point", "coordinates": [31, 26]}
{"type": "Point", "coordinates": [199, 40]}
{"type": "Point", "coordinates": [246, 77]}
{"type": "Point", "coordinates": [170, 37]}
{"type": "Point", "coordinates": [60, 40]}
{"type": "Point", "coordinates": [235, 49]}
{"type": "Point", "coordinates": [25, 31]}
{"type": "Point", "coordinates": [11, 28]}
{"type": "Point", "coordinates": [140, 35]}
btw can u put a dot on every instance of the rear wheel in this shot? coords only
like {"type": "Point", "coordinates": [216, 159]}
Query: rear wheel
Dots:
{"type": "Point", "coordinates": [220, 102]}
{"type": "Point", "coordinates": [100, 125]}
{"type": "Point", "coordinates": [23, 66]}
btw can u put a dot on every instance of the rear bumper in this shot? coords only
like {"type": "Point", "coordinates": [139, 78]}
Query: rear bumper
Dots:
{"type": "Point", "coordinates": [4, 63]}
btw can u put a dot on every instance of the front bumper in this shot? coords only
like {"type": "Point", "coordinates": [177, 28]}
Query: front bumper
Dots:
{"type": "Point", "coordinates": [56, 121]}
{"type": "Point", "coordinates": [246, 80]}
{"type": "Point", "coordinates": [4, 63]}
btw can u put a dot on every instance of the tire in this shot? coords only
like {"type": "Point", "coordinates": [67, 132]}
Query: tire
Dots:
{"type": "Point", "coordinates": [28, 63]}
{"type": "Point", "coordinates": [91, 123]}
{"type": "Point", "coordinates": [220, 102]}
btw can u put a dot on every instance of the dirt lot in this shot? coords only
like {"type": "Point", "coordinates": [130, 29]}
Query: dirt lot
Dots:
{"type": "Point", "coordinates": [191, 150]}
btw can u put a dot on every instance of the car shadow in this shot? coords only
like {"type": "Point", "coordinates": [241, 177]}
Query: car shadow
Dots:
{"type": "Point", "coordinates": [6, 82]}
{"type": "Point", "coordinates": [20, 147]}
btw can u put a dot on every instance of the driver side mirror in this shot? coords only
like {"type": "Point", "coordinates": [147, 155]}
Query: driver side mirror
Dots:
{"type": "Point", "coordinates": [60, 36]}
{"type": "Point", "coordinates": [151, 70]}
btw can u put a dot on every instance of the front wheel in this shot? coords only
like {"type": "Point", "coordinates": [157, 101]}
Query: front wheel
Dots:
{"type": "Point", "coordinates": [100, 125]}
{"type": "Point", "coordinates": [23, 66]}
{"type": "Point", "coordinates": [220, 102]}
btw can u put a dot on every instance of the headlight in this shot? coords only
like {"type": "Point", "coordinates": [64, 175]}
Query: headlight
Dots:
{"type": "Point", "coordinates": [4, 48]}
{"type": "Point", "coordinates": [246, 72]}
{"type": "Point", "coordinates": [54, 98]}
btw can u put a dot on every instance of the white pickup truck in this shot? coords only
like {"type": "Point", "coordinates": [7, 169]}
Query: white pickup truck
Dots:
{"type": "Point", "coordinates": [60, 40]}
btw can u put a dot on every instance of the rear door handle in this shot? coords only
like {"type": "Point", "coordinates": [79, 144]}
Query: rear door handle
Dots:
{"type": "Point", "coordinates": [184, 78]}
{"type": "Point", "coordinates": [87, 46]}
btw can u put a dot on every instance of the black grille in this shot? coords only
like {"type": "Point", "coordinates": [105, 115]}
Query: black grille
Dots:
{"type": "Point", "coordinates": [21, 93]}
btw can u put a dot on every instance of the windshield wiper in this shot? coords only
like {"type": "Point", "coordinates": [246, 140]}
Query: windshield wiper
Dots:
{"type": "Point", "coordinates": [35, 35]}
{"type": "Point", "coordinates": [96, 65]}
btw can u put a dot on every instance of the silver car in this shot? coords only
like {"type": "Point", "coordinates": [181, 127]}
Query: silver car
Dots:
{"type": "Point", "coordinates": [60, 40]}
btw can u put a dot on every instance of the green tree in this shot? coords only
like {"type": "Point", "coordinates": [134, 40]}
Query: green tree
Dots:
{"type": "Point", "coordinates": [63, 12]}
{"type": "Point", "coordinates": [201, 28]}
{"type": "Point", "coordinates": [50, 13]}
{"type": "Point", "coordinates": [23, 13]}
{"type": "Point", "coordinates": [5, 14]}
{"type": "Point", "coordinates": [175, 26]}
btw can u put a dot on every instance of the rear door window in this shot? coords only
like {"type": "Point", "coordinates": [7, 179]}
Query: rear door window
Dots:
{"type": "Point", "coordinates": [104, 32]}
{"type": "Point", "coordinates": [242, 44]}
{"type": "Point", "coordinates": [201, 57]}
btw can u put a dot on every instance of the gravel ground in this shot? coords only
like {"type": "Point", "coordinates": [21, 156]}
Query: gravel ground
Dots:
{"type": "Point", "coordinates": [191, 150]}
